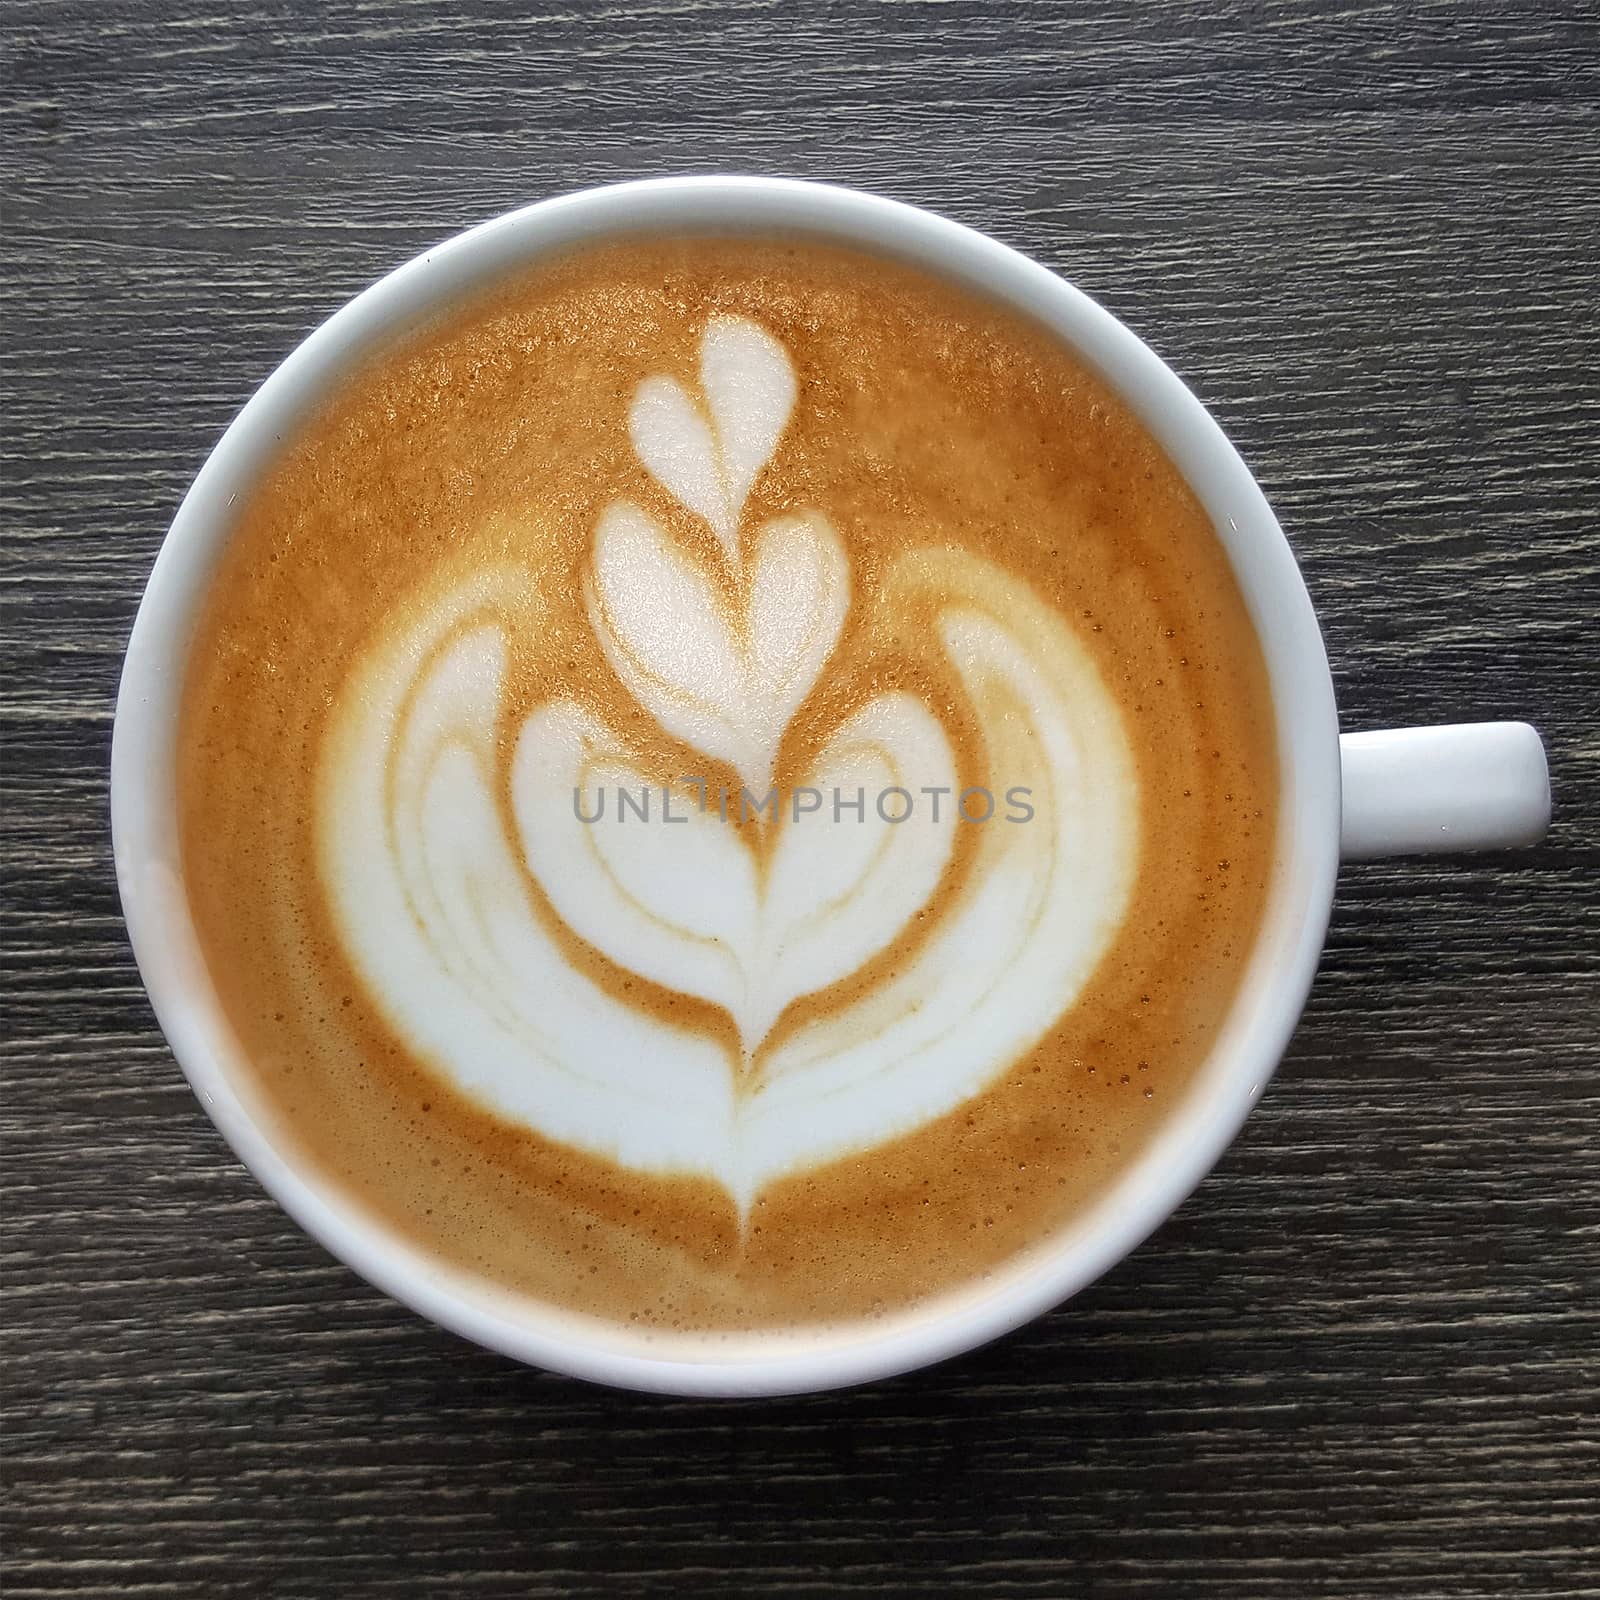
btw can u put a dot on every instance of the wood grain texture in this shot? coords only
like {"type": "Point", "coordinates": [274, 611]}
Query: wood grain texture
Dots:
{"type": "Point", "coordinates": [1362, 1360]}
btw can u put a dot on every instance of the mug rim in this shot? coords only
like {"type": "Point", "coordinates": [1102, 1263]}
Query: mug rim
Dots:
{"type": "Point", "coordinates": [1265, 1008]}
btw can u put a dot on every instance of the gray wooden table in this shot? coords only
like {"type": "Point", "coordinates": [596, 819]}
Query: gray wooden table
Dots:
{"type": "Point", "coordinates": [1362, 1360]}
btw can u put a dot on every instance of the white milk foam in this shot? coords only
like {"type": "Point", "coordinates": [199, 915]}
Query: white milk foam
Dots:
{"type": "Point", "coordinates": [433, 894]}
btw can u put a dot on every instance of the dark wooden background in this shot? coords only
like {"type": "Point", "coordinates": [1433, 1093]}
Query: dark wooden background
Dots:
{"type": "Point", "coordinates": [1362, 1360]}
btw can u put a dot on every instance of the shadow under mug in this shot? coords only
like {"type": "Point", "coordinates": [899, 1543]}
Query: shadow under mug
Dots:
{"type": "Point", "coordinates": [1418, 789]}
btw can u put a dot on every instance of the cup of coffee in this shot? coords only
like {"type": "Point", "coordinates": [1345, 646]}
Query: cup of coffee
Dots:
{"type": "Point", "coordinates": [727, 787]}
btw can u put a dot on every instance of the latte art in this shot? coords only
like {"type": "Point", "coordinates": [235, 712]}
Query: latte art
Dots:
{"type": "Point", "coordinates": [438, 896]}
{"type": "Point", "coordinates": [725, 785]}
{"type": "Point", "coordinates": [724, 677]}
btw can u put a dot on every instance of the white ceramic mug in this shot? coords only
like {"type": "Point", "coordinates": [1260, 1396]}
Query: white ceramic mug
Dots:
{"type": "Point", "coordinates": [1448, 788]}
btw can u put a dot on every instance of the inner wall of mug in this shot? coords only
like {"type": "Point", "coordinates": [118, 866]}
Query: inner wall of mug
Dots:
{"type": "Point", "coordinates": [1194, 1131]}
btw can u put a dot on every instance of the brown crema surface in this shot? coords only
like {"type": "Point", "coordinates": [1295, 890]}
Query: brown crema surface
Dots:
{"type": "Point", "coordinates": [925, 417]}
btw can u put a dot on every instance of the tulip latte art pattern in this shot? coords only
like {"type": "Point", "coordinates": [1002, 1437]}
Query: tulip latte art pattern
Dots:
{"type": "Point", "coordinates": [458, 909]}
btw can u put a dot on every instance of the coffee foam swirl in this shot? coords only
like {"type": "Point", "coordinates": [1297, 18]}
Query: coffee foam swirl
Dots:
{"type": "Point", "coordinates": [462, 880]}
{"type": "Point", "coordinates": [710, 458]}
{"type": "Point", "coordinates": [702, 912]}
{"type": "Point", "coordinates": [725, 679]}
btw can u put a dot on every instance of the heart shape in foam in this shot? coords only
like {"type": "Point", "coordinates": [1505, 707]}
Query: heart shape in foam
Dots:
{"type": "Point", "coordinates": [710, 463]}
{"type": "Point", "coordinates": [689, 904]}
{"type": "Point", "coordinates": [721, 664]}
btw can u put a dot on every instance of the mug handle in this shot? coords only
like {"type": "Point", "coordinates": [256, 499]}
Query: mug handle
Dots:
{"type": "Point", "coordinates": [1465, 786]}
